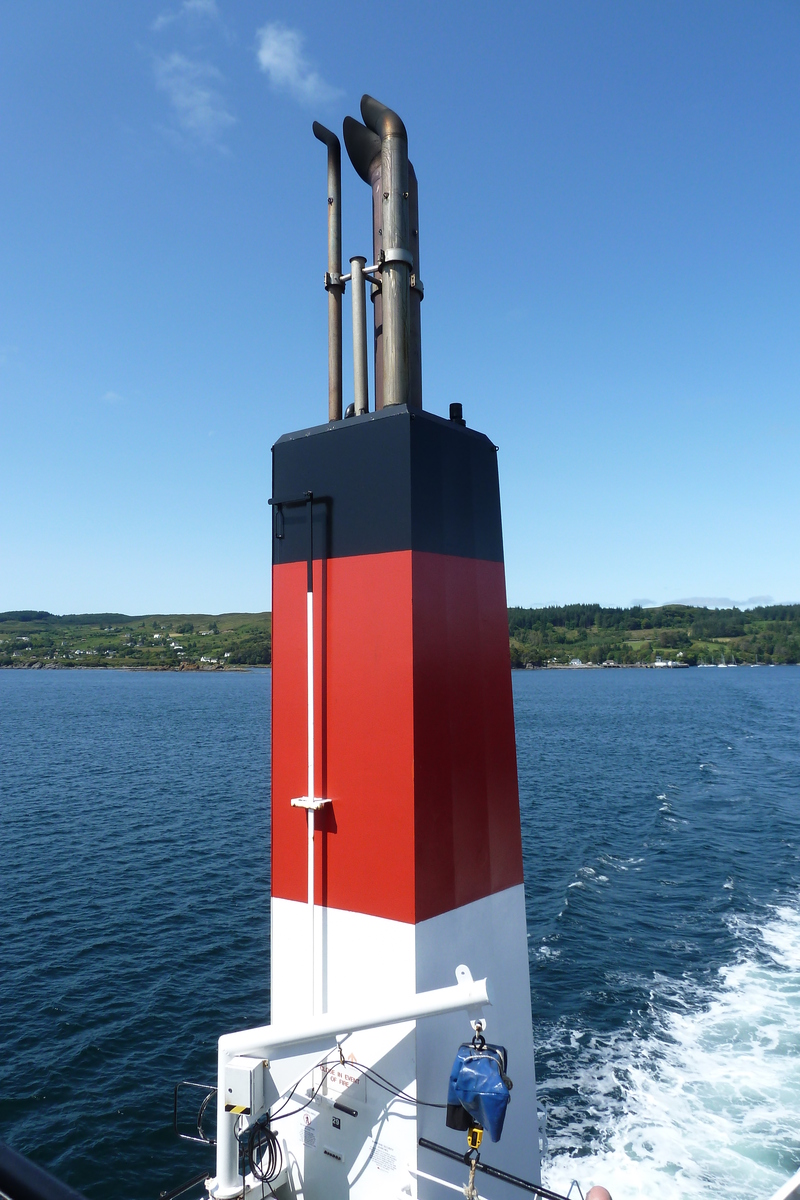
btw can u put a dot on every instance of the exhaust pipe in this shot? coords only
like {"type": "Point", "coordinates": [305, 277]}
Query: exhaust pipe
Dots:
{"type": "Point", "coordinates": [395, 256]}
{"type": "Point", "coordinates": [364, 150]}
{"type": "Point", "coordinates": [378, 150]}
{"type": "Point", "coordinates": [333, 276]}
{"type": "Point", "coordinates": [415, 335]}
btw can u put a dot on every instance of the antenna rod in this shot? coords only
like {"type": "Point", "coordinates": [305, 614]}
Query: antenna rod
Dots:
{"type": "Point", "coordinates": [333, 284]}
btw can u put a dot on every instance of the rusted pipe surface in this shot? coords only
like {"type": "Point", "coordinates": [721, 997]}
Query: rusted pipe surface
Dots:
{"type": "Point", "coordinates": [334, 289]}
{"type": "Point", "coordinates": [395, 287]}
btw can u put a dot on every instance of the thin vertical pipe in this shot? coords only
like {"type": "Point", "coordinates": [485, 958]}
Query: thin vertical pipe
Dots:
{"type": "Point", "coordinates": [333, 284]}
{"type": "Point", "coordinates": [415, 331]}
{"type": "Point", "coordinates": [364, 148]}
{"type": "Point", "coordinates": [360, 378]}
{"type": "Point", "coordinates": [376, 289]}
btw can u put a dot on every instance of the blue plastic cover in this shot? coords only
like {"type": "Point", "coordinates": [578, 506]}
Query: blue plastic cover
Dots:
{"type": "Point", "coordinates": [478, 1082]}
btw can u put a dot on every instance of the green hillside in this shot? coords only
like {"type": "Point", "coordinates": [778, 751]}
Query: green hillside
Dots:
{"type": "Point", "coordinates": [679, 632]}
{"type": "Point", "coordinates": [186, 641]}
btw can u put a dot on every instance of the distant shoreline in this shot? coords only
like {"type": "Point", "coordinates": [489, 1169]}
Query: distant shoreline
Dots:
{"type": "Point", "coordinates": [583, 635]}
{"type": "Point", "coordinates": [566, 637]}
{"type": "Point", "coordinates": [173, 642]}
{"type": "Point", "coordinates": [187, 669]}
{"type": "Point", "coordinates": [643, 666]}
{"type": "Point", "coordinates": [211, 670]}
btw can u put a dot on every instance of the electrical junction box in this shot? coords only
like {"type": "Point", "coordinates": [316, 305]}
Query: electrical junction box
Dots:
{"type": "Point", "coordinates": [245, 1085]}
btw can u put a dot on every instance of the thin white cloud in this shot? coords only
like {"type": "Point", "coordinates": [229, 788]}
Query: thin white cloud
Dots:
{"type": "Point", "coordinates": [189, 8]}
{"type": "Point", "coordinates": [197, 104]}
{"type": "Point", "coordinates": [113, 398]}
{"type": "Point", "coordinates": [280, 56]}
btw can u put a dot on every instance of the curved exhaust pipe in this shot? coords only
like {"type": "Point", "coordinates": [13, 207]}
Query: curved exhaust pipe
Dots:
{"type": "Point", "coordinates": [395, 256]}
{"type": "Point", "coordinates": [363, 147]}
{"type": "Point", "coordinates": [364, 150]}
{"type": "Point", "coordinates": [333, 283]}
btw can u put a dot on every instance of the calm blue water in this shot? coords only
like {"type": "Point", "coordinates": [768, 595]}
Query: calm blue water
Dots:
{"type": "Point", "coordinates": [661, 820]}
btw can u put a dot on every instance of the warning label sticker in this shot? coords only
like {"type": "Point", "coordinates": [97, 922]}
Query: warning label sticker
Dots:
{"type": "Point", "coordinates": [383, 1158]}
{"type": "Point", "coordinates": [341, 1078]}
{"type": "Point", "coordinates": [308, 1132]}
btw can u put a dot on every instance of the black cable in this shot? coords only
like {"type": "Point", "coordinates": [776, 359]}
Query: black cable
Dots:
{"type": "Point", "coordinates": [385, 1084]}
{"type": "Point", "coordinates": [283, 1115]}
{"type": "Point", "coordinates": [288, 1097]}
{"type": "Point", "coordinates": [264, 1151]}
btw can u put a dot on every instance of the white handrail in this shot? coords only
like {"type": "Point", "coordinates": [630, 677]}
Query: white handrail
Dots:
{"type": "Point", "coordinates": [790, 1189]}
{"type": "Point", "coordinates": [468, 993]}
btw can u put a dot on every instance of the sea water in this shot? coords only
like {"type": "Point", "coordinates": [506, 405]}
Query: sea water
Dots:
{"type": "Point", "coordinates": [661, 819]}
{"type": "Point", "coordinates": [661, 830]}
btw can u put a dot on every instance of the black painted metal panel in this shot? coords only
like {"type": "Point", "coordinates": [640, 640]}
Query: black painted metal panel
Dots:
{"type": "Point", "coordinates": [397, 479]}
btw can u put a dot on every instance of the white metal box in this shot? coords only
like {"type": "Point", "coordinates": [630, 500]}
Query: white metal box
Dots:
{"type": "Point", "coordinates": [245, 1085]}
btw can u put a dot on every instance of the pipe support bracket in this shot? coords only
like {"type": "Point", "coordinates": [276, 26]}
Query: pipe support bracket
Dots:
{"type": "Point", "coordinates": [397, 254]}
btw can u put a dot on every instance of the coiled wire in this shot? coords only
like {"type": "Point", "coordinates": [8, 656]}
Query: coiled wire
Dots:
{"type": "Point", "coordinates": [264, 1151]}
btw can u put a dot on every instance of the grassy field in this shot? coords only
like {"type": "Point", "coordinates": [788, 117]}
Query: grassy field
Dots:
{"type": "Point", "coordinates": [185, 641]}
{"type": "Point", "coordinates": [538, 637]}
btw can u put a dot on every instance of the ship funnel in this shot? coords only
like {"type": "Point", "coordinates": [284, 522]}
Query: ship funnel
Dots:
{"type": "Point", "coordinates": [333, 280]}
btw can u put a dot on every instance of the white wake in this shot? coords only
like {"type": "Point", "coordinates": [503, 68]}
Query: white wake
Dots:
{"type": "Point", "coordinates": [706, 1106]}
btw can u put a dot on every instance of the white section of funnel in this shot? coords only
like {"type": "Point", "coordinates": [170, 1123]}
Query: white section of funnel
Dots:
{"type": "Point", "coordinates": [366, 959]}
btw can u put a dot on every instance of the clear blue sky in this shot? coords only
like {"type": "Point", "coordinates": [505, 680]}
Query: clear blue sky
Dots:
{"type": "Point", "coordinates": [610, 246]}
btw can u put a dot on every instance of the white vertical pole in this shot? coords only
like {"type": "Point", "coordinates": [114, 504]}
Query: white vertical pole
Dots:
{"type": "Point", "coordinates": [360, 387]}
{"type": "Point", "coordinates": [310, 632]}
